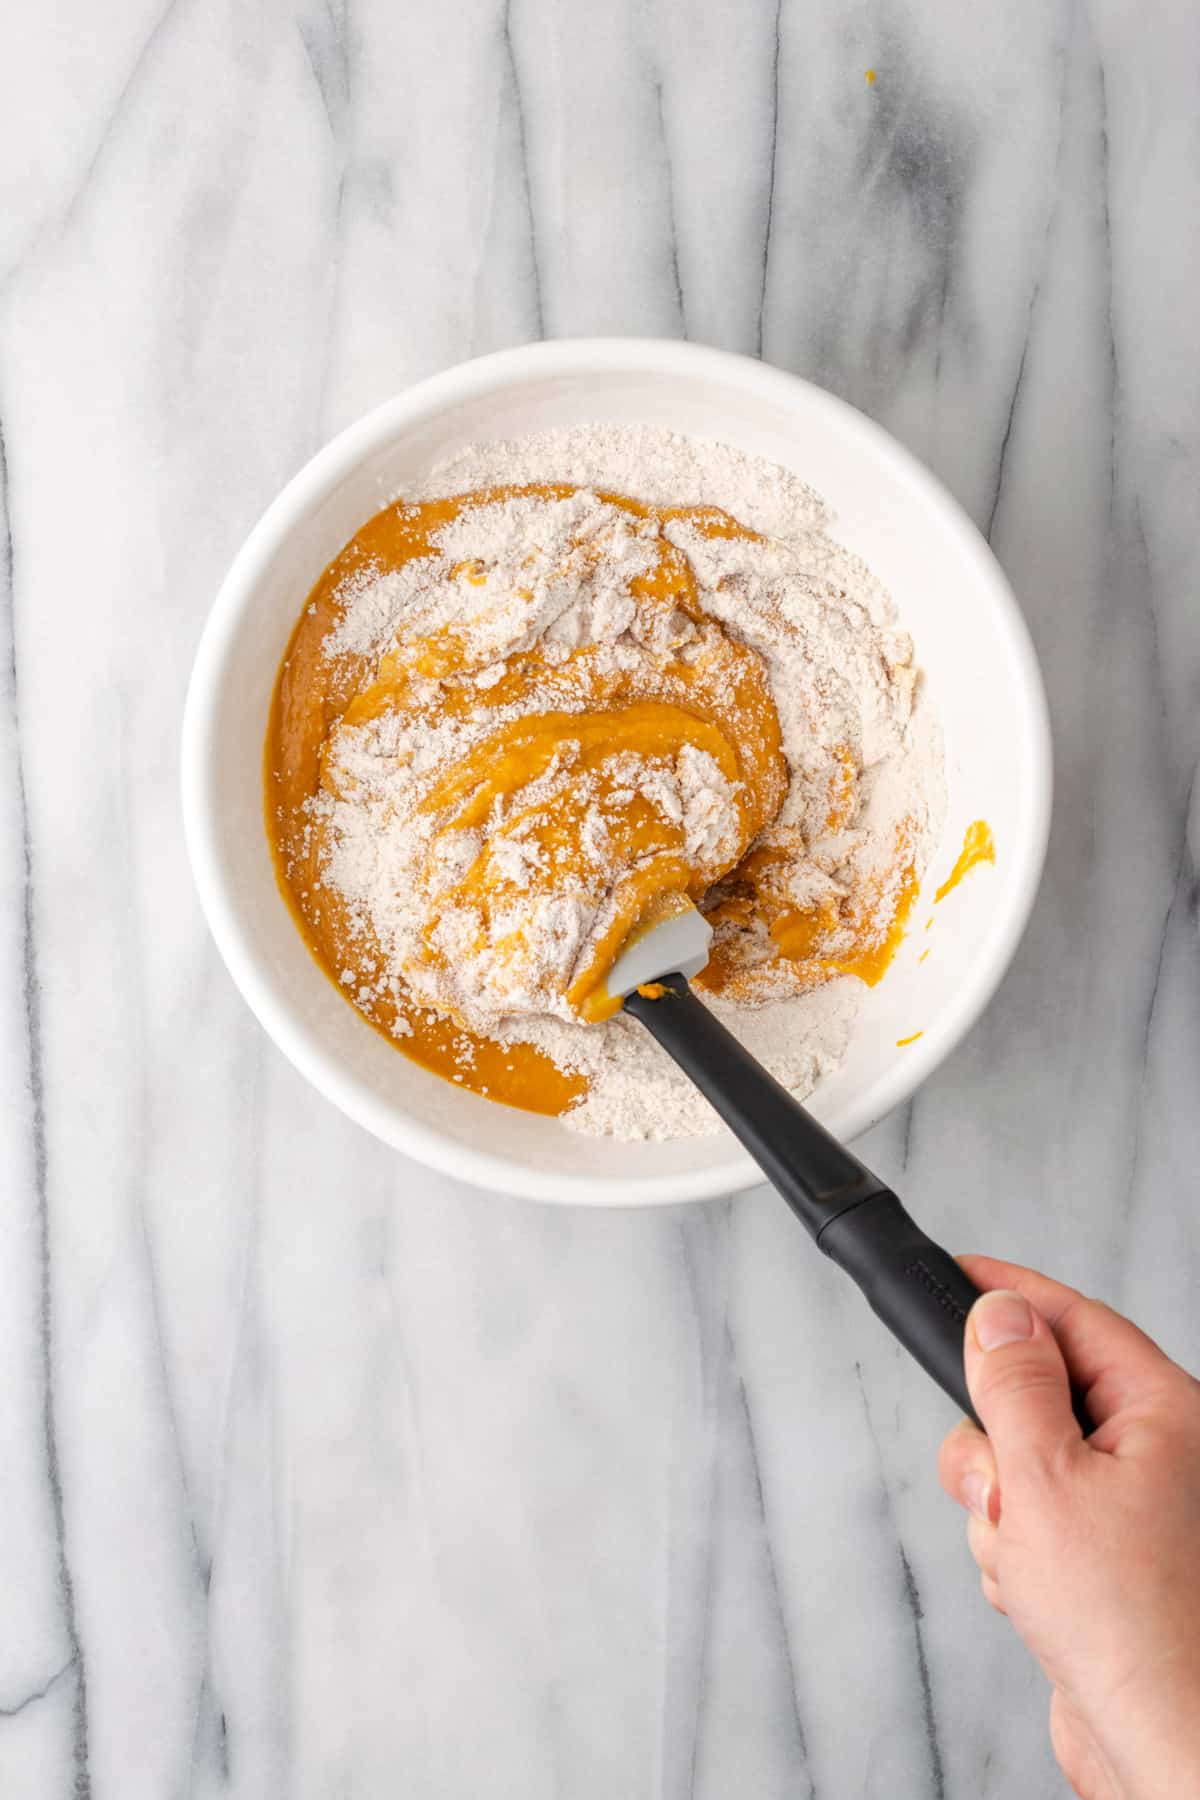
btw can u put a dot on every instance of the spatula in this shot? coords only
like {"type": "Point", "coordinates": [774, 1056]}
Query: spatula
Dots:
{"type": "Point", "coordinates": [916, 1288]}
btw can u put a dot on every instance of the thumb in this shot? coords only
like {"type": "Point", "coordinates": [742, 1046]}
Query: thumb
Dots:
{"type": "Point", "coordinates": [1018, 1382]}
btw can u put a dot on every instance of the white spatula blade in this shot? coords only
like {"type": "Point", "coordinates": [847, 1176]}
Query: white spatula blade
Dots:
{"type": "Point", "coordinates": [678, 946]}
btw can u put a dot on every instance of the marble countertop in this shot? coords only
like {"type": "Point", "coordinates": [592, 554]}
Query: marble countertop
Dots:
{"type": "Point", "coordinates": [320, 1475]}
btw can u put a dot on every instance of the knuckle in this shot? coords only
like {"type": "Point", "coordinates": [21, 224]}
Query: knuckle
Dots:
{"type": "Point", "coordinates": [960, 1449]}
{"type": "Point", "coordinates": [1019, 1376]}
{"type": "Point", "coordinates": [981, 1540]}
{"type": "Point", "coordinates": [991, 1593]}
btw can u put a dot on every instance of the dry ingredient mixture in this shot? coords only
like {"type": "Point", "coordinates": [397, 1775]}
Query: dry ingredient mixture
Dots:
{"type": "Point", "coordinates": [560, 684]}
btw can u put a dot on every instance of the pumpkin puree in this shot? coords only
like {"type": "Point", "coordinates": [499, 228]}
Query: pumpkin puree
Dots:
{"type": "Point", "coordinates": [719, 702]}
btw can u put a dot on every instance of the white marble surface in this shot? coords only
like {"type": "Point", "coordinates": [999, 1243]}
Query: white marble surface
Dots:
{"type": "Point", "coordinates": [323, 1477]}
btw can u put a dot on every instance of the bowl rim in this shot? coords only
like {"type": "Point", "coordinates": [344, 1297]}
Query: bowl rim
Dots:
{"type": "Point", "coordinates": [312, 484]}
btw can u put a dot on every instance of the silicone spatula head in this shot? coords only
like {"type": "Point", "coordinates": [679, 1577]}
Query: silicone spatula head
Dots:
{"type": "Point", "coordinates": [675, 946]}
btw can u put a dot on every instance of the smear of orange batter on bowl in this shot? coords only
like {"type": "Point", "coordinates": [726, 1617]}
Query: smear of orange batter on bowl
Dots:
{"type": "Point", "coordinates": [979, 846]}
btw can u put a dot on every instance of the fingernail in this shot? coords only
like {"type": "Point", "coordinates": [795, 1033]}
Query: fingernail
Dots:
{"type": "Point", "coordinates": [1002, 1318]}
{"type": "Point", "coordinates": [975, 1490]}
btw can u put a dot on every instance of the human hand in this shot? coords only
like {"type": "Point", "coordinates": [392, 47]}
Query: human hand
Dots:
{"type": "Point", "coordinates": [1091, 1547]}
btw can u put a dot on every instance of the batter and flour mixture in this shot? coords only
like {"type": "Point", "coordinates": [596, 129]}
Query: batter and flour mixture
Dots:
{"type": "Point", "coordinates": [561, 684]}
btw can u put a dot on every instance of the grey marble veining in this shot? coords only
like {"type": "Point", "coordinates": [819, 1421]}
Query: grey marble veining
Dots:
{"type": "Point", "coordinates": [325, 1477]}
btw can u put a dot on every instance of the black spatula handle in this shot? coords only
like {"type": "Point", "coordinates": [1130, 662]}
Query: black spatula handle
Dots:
{"type": "Point", "coordinates": [917, 1289]}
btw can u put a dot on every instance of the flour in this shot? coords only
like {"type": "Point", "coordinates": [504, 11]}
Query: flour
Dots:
{"type": "Point", "coordinates": [637, 1092]}
{"type": "Point", "coordinates": [555, 580]}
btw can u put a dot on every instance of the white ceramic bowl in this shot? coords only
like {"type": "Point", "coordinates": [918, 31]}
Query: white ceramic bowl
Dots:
{"type": "Point", "coordinates": [971, 642]}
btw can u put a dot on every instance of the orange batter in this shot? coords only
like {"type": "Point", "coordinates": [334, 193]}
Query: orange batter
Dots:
{"type": "Point", "coordinates": [593, 720]}
{"type": "Point", "coordinates": [979, 846]}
